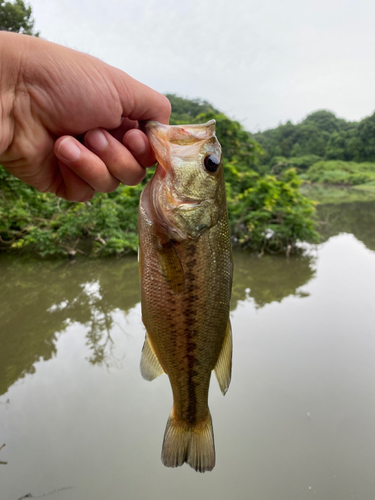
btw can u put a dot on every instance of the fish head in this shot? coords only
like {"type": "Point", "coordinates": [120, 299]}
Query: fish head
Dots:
{"type": "Point", "coordinates": [188, 190]}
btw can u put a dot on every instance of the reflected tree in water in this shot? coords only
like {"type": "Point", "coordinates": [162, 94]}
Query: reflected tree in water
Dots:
{"type": "Point", "coordinates": [270, 278]}
{"type": "Point", "coordinates": [357, 218]}
{"type": "Point", "coordinates": [40, 300]}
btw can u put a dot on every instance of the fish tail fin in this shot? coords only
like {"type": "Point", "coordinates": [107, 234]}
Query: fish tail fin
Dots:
{"type": "Point", "coordinates": [191, 444]}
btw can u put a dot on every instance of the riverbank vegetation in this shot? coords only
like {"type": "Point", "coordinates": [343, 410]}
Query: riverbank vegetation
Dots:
{"type": "Point", "coordinates": [323, 149]}
{"type": "Point", "coordinates": [266, 212]}
{"type": "Point", "coordinates": [263, 172]}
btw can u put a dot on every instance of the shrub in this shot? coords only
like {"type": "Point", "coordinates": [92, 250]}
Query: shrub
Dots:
{"type": "Point", "coordinates": [270, 214]}
{"type": "Point", "coordinates": [341, 172]}
{"type": "Point", "coordinates": [50, 226]}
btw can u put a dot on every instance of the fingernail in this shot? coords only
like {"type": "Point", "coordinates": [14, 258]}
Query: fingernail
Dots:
{"type": "Point", "coordinates": [69, 150]}
{"type": "Point", "coordinates": [136, 144]}
{"type": "Point", "coordinates": [96, 140]}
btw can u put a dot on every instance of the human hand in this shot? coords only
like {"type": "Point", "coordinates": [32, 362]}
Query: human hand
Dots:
{"type": "Point", "coordinates": [69, 123]}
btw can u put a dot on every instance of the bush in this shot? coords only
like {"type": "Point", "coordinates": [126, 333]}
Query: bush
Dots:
{"type": "Point", "coordinates": [300, 163]}
{"type": "Point", "coordinates": [341, 172]}
{"type": "Point", "coordinates": [50, 226]}
{"type": "Point", "coordinates": [266, 213]}
{"type": "Point", "coordinates": [270, 214]}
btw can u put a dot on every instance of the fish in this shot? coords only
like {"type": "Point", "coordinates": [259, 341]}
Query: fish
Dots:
{"type": "Point", "coordinates": [186, 269]}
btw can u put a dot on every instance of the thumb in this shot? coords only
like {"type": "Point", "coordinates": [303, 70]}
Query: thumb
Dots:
{"type": "Point", "coordinates": [140, 102]}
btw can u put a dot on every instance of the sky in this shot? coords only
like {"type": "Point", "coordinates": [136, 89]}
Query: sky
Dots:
{"type": "Point", "coordinates": [260, 62]}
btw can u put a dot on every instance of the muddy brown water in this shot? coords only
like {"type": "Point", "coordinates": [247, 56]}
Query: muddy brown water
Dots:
{"type": "Point", "coordinates": [298, 422]}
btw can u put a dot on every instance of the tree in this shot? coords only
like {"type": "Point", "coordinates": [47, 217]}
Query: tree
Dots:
{"type": "Point", "coordinates": [185, 110]}
{"type": "Point", "coordinates": [237, 144]}
{"type": "Point", "coordinates": [320, 134]}
{"type": "Point", "coordinates": [17, 17]}
{"type": "Point", "coordinates": [366, 133]}
{"type": "Point", "coordinates": [325, 120]}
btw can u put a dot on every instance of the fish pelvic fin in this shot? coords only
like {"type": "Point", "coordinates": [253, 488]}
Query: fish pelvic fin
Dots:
{"type": "Point", "coordinates": [193, 445]}
{"type": "Point", "coordinates": [223, 367]}
{"type": "Point", "coordinates": [150, 366]}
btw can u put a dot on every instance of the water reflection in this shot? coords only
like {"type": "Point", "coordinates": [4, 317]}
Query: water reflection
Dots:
{"type": "Point", "coordinates": [40, 299]}
{"type": "Point", "coordinates": [302, 393]}
{"type": "Point", "coordinates": [357, 218]}
{"type": "Point", "coordinates": [271, 278]}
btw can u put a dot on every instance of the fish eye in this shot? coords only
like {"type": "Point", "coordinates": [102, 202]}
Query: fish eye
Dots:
{"type": "Point", "coordinates": [211, 163]}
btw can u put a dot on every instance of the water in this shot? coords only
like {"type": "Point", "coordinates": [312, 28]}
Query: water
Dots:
{"type": "Point", "coordinates": [298, 421]}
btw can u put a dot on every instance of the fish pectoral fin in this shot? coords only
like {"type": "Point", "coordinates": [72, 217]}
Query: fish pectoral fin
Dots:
{"type": "Point", "coordinates": [171, 267]}
{"type": "Point", "coordinates": [150, 366]}
{"type": "Point", "coordinates": [223, 367]}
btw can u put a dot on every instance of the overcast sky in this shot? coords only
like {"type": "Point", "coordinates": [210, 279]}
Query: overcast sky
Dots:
{"type": "Point", "coordinates": [261, 62]}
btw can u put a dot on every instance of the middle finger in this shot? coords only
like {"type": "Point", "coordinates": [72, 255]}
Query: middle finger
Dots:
{"type": "Point", "coordinates": [120, 162]}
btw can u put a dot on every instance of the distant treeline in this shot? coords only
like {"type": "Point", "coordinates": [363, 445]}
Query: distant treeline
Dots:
{"type": "Point", "coordinates": [320, 136]}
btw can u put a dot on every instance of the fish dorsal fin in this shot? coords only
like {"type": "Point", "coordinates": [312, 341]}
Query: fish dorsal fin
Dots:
{"type": "Point", "coordinates": [171, 267]}
{"type": "Point", "coordinates": [150, 366]}
{"type": "Point", "coordinates": [223, 367]}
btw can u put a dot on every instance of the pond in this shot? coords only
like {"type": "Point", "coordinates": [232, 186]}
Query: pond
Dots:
{"type": "Point", "coordinates": [298, 421]}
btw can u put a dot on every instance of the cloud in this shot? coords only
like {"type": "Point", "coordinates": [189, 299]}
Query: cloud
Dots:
{"type": "Point", "coordinates": [260, 62]}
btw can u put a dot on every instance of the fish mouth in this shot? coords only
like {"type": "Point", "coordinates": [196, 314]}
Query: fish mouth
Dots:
{"type": "Point", "coordinates": [163, 137]}
{"type": "Point", "coordinates": [180, 134]}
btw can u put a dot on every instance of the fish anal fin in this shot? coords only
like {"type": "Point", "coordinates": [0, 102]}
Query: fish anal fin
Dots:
{"type": "Point", "coordinates": [194, 445]}
{"type": "Point", "coordinates": [150, 366]}
{"type": "Point", "coordinates": [171, 267]}
{"type": "Point", "coordinates": [223, 367]}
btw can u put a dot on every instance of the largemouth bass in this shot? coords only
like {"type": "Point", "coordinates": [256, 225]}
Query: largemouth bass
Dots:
{"type": "Point", "coordinates": [186, 278]}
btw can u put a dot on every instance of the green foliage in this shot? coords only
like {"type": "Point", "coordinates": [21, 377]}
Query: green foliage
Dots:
{"type": "Point", "coordinates": [336, 194]}
{"type": "Point", "coordinates": [366, 139]}
{"type": "Point", "coordinates": [237, 144]}
{"type": "Point", "coordinates": [325, 121]}
{"type": "Point", "coordinates": [307, 138]}
{"type": "Point", "coordinates": [341, 172]}
{"type": "Point", "coordinates": [16, 17]}
{"type": "Point", "coordinates": [320, 134]}
{"type": "Point", "coordinates": [269, 213]}
{"type": "Point", "coordinates": [49, 226]}
{"type": "Point", "coordinates": [345, 145]}
{"type": "Point", "coordinates": [266, 213]}
{"type": "Point", "coordinates": [185, 110]}
{"type": "Point", "coordinates": [301, 163]}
